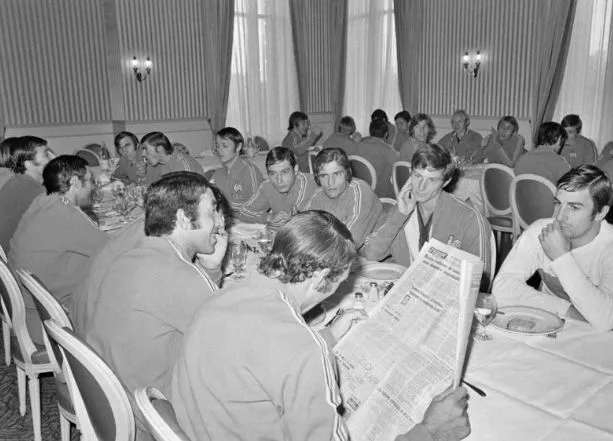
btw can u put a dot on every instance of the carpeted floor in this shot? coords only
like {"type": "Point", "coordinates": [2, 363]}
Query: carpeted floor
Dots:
{"type": "Point", "coordinates": [15, 427]}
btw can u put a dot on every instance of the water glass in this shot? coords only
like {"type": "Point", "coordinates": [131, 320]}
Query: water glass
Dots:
{"type": "Point", "coordinates": [485, 311]}
{"type": "Point", "coordinates": [238, 257]}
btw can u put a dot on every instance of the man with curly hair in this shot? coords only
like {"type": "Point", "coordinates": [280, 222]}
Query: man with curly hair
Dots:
{"type": "Point", "coordinates": [251, 368]}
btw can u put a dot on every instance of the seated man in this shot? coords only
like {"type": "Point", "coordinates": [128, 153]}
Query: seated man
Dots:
{"type": "Point", "coordinates": [545, 159]}
{"type": "Point", "coordinates": [351, 200]}
{"type": "Point", "coordinates": [571, 252]}
{"type": "Point", "coordinates": [578, 149]}
{"type": "Point", "coordinates": [286, 191]}
{"type": "Point", "coordinates": [300, 138]}
{"type": "Point", "coordinates": [402, 120]}
{"type": "Point", "coordinates": [149, 294]}
{"type": "Point", "coordinates": [162, 158]}
{"type": "Point", "coordinates": [504, 145]}
{"type": "Point", "coordinates": [238, 179]}
{"type": "Point", "coordinates": [425, 211]}
{"type": "Point", "coordinates": [28, 157]}
{"type": "Point", "coordinates": [380, 115]}
{"type": "Point", "coordinates": [131, 167]}
{"type": "Point", "coordinates": [462, 142]}
{"type": "Point", "coordinates": [381, 155]}
{"type": "Point", "coordinates": [251, 368]}
{"type": "Point", "coordinates": [55, 240]}
{"type": "Point", "coordinates": [345, 137]}
{"type": "Point", "coordinates": [421, 131]}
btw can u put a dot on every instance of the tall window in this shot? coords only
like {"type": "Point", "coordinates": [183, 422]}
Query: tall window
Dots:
{"type": "Point", "coordinates": [263, 87]}
{"type": "Point", "coordinates": [371, 79]}
{"type": "Point", "coordinates": [586, 87]}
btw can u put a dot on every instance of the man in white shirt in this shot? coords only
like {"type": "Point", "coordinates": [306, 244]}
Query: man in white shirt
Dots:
{"type": "Point", "coordinates": [571, 251]}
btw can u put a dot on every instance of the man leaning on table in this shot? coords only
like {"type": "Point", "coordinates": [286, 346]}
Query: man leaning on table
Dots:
{"type": "Point", "coordinates": [286, 191]}
{"type": "Point", "coordinates": [350, 199]}
{"type": "Point", "coordinates": [162, 158]}
{"type": "Point", "coordinates": [426, 211]}
{"type": "Point", "coordinates": [571, 252]}
{"type": "Point", "coordinates": [251, 368]}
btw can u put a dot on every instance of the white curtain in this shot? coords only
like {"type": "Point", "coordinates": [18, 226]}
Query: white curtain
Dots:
{"type": "Point", "coordinates": [371, 79]}
{"type": "Point", "coordinates": [263, 87]}
{"type": "Point", "coordinates": [587, 87]}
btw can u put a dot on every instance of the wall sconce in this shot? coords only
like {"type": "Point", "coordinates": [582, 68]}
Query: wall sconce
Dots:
{"type": "Point", "coordinates": [140, 76]}
{"type": "Point", "coordinates": [471, 64]}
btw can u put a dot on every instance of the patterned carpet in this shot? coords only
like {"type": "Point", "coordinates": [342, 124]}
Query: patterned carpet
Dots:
{"type": "Point", "coordinates": [15, 427]}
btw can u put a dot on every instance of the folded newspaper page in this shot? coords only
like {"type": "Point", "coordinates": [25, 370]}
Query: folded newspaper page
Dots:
{"type": "Point", "coordinates": [412, 347]}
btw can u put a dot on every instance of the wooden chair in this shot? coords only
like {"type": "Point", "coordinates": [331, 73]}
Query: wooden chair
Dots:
{"type": "Point", "coordinates": [6, 320]}
{"type": "Point", "coordinates": [50, 309]}
{"type": "Point", "coordinates": [312, 157]}
{"type": "Point", "coordinates": [159, 415]}
{"type": "Point", "coordinates": [101, 404]}
{"type": "Point", "coordinates": [401, 171]}
{"type": "Point", "coordinates": [31, 360]}
{"type": "Point", "coordinates": [495, 183]}
{"type": "Point", "coordinates": [492, 274]}
{"type": "Point", "coordinates": [531, 199]}
{"type": "Point", "coordinates": [364, 170]}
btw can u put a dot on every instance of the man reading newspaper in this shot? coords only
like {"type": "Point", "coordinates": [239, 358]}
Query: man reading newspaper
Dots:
{"type": "Point", "coordinates": [250, 368]}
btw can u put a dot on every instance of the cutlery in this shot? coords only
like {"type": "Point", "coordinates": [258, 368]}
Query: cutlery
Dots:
{"type": "Point", "coordinates": [475, 388]}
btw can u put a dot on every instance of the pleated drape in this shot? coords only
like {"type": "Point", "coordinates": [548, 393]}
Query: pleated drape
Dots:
{"type": "Point", "coordinates": [338, 56]}
{"type": "Point", "coordinates": [408, 16]}
{"type": "Point", "coordinates": [218, 27]}
{"type": "Point", "coordinates": [554, 31]}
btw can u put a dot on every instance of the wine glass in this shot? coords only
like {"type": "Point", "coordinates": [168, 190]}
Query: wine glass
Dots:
{"type": "Point", "coordinates": [238, 257]}
{"type": "Point", "coordinates": [485, 311]}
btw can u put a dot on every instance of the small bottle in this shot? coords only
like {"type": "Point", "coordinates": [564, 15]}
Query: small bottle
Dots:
{"type": "Point", "coordinates": [373, 292]}
{"type": "Point", "coordinates": [358, 301]}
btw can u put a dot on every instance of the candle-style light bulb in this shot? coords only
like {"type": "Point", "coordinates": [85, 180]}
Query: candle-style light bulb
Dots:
{"type": "Point", "coordinates": [134, 62]}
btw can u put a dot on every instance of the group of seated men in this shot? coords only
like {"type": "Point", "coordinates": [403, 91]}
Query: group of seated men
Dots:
{"type": "Point", "coordinates": [240, 362]}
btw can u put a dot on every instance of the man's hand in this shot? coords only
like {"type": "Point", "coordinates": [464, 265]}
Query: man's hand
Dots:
{"type": "Point", "coordinates": [213, 261]}
{"type": "Point", "coordinates": [276, 220]}
{"type": "Point", "coordinates": [446, 418]}
{"type": "Point", "coordinates": [345, 320]}
{"type": "Point", "coordinates": [553, 241]}
{"type": "Point", "coordinates": [406, 203]}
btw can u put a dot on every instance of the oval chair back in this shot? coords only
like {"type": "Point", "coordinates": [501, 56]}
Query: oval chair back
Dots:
{"type": "Point", "coordinates": [401, 171]}
{"type": "Point", "coordinates": [159, 415]}
{"type": "Point", "coordinates": [312, 157]}
{"type": "Point", "coordinates": [364, 170]}
{"type": "Point", "coordinates": [92, 158]}
{"type": "Point", "coordinates": [262, 144]}
{"type": "Point", "coordinates": [531, 199]}
{"type": "Point", "coordinates": [101, 404]}
{"type": "Point", "coordinates": [495, 184]}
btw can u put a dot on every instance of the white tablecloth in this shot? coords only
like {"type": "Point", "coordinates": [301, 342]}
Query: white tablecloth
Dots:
{"type": "Point", "coordinates": [468, 187]}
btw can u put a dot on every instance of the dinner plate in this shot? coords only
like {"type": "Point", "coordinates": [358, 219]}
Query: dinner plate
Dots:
{"type": "Point", "coordinates": [380, 272]}
{"type": "Point", "coordinates": [526, 320]}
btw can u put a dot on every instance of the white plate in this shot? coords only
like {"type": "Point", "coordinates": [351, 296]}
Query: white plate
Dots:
{"type": "Point", "coordinates": [526, 320]}
{"type": "Point", "coordinates": [381, 272]}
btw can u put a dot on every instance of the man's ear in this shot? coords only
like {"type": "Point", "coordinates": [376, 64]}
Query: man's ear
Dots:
{"type": "Point", "coordinates": [75, 182]}
{"type": "Point", "coordinates": [239, 147]}
{"type": "Point", "coordinates": [602, 213]}
{"type": "Point", "coordinates": [319, 279]}
{"type": "Point", "coordinates": [296, 168]}
{"type": "Point", "coordinates": [182, 221]}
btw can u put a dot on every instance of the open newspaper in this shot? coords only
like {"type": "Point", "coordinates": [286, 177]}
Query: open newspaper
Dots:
{"type": "Point", "coordinates": [413, 346]}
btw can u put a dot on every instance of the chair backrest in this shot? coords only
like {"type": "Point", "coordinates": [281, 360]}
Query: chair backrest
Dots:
{"type": "Point", "coordinates": [48, 309]}
{"type": "Point", "coordinates": [3, 255]}
{"type": "Point", "coordinates": [531, 199]}
{"type": "Point", "coordinates": [101, 404]}
{"type": "Point", "coordinates": [261, 143]}
{"type": "Point", "coordinates": [159, 415]}
{"type": "Point", "coordinates": [312, 156]}
{"type": "Point", "coordinates": [492, 273]}
{"type": "Point", "coordinates": [92, 158]}
{"type": "Point", "coordinates": [495, 184]}
{"type": "Point", "coordinates": [401, 171]}
{"type": "Point", "coordinates": [364, 170]}
{"type": "Point", "coordinates": [15, 311]}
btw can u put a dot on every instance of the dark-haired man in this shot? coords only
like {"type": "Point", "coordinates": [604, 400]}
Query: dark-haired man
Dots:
{"type": "Point", "coordinates": [286, 191]}
{"type": "Point", "coordinates": [578, 149]}
{"type": "Point", "coordinates": [28, 157]}
{"type": "Point", "coordinates": [251, 368]}
{"type": "Point", "coordinates": [381, 155]}
{"type": "Point", "coordinates": [300, 138]}
{"type": "Point", "coordinates": [425, 211]}
{"type": "Point", "coordinates": [162, 158]}
{"type": "Point", "coordinates": [150, 293]}
{"type": "Point", "coordinates": [238, 178]}
{"type": "Point", "coordinates": [571, 252]}
{"type": "Point", "coordinates": [349, 199]}
{"type": "Point", "coordinates": [55, 240]}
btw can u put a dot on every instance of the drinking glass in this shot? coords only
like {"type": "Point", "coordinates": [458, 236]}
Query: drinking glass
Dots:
{"type": "Point", "coordinates": [97, 194]}
{"type": "Point", "coordinates": [485, 311]}
{"type": "Point", "coordinates": [238, 256]}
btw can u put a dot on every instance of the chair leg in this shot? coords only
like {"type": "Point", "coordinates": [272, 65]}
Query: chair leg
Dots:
{"type": "Point", "coordinates": [64, 428]}
{"type": "Point", "coordinates": [6, 332]}
{"type": "Point", "coordinates": [34, 389]}
{"type": "Point", "coordinates": [21, 386]}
